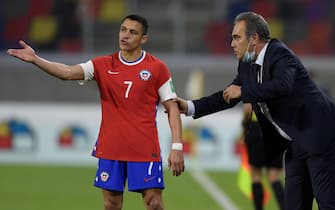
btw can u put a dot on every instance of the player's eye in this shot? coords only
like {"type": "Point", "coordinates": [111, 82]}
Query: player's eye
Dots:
{"type": "Point", "coordinates": [133, 32]}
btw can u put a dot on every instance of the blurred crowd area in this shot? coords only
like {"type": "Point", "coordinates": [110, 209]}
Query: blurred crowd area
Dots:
{"type": "Point", "coordinates": [176, 26]}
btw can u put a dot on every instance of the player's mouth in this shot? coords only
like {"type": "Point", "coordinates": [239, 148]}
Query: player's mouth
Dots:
{"type": "Point", "coordinates": [123, 42]}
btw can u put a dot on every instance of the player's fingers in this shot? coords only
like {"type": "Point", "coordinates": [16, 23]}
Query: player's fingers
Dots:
{"type": "Point", "coordinates": [179, 172]}
{"type": "Point", "coordinates": [23, 44]}
{"type": "Point", "coordinates": [10, 52]}
{"type": "Point", "coordinates": [13, 52]}
{"type": "Point", "coordinates": [169, 164]}
{"type": "Point", "coordinates": [178, 169]}
{"type": "Point", "coordinates": [174, 170]}
{"type": "Point", "coordinates": [176, 173]}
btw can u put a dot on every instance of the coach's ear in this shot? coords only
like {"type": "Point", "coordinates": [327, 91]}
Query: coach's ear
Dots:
{"type": "Point", "coordinates": [144, 39]}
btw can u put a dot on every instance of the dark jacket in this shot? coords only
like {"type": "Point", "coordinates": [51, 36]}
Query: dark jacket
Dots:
{"type": "Point", "coordinates": [295, 102]}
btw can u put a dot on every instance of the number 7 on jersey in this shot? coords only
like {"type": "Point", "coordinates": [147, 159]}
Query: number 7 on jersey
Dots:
{"type": "Point", "coordinates": [129, 84]}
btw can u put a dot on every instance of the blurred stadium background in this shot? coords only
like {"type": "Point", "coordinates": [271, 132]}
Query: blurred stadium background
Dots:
{"type": "Point", "coordinates": [45, 120]}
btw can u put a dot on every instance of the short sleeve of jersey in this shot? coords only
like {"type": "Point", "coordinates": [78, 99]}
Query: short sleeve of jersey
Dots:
{"type": "Point", "coordinates": [166, 90]}
{"type": "Point", "coordinates": [88, 69]}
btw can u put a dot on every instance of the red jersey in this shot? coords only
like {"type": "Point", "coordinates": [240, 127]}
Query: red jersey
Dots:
{"type": "Point", "coordinates": [129, 93]}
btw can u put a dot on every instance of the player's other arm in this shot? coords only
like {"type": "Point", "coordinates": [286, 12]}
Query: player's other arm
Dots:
{"type": "Point", "coordinates": [59, 70]}
{"type": "Point", "coordinates": [176, 157]}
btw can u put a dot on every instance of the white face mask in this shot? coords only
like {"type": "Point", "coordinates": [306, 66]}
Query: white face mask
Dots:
{"type": "Point", "coordinates": [249, 56]}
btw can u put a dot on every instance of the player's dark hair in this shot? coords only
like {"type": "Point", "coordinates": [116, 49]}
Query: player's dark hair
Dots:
{"type": "Point", "coordinates": [255, 23]}
{"type": "Point", "coordinates": [139, 19]}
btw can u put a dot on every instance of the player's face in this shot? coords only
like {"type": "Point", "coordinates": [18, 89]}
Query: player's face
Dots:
{"type": "Point", "coordinates": [239, 41]}
{"type": "Point", "coordinates": [131, 35]}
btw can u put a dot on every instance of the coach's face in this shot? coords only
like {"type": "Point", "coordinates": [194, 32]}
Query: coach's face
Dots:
{"type": "Point", "coordinates": [239, 41]}
{"type": "Point", "coordinates": [131, 35]}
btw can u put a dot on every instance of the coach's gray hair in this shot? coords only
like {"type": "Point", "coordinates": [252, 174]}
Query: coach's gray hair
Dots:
{"type": "Point", "coordinates": [255, 23]}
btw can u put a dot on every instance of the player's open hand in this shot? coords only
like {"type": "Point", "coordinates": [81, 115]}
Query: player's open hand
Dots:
{"type": "Point", "coordinates": [26, 53]}
{"type": "Point", "coordinates": [176, 162]}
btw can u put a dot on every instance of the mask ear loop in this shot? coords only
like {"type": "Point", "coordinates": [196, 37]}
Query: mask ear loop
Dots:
{"type": "Point", "coordinates": [254, 47]}
{"type": "Point", "coordinates": [246, 53]}
{"type": "Point", "coordinates": [248, 45]}
{"type": "Point", "coordinates": [253, 52]}
{"type": "Point", "coordinates": [248, 56]}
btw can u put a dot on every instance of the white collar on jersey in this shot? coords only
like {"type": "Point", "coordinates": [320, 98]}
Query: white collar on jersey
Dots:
{"type": "Point", "coordinates": [131, 63]}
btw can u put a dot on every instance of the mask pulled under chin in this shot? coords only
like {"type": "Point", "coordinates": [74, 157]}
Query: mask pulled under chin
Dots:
{"type": "Point", "coordinates": [249, 56]}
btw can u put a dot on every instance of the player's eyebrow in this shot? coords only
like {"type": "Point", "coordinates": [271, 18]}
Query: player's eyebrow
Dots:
{"type": "Point", "coordinates": [132, 31]}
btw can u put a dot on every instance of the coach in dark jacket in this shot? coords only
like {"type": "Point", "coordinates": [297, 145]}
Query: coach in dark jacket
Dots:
{"type": "Point", "coordinates": [274, 80]}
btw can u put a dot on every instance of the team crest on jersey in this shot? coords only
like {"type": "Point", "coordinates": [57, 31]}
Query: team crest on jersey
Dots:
{"type": "Point", "coordinates": [145, 75]}
{"type": "Point", "coordinates": [104, 176]}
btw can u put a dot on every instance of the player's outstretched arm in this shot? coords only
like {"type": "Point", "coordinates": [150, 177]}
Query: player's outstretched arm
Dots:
{"type": "Point", "coordinates": [59, 70]}
{"type": "Point", "coordinates": [176, 157]}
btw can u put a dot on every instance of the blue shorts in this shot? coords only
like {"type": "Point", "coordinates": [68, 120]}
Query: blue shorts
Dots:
{"type": "Point", "coordinates": [112, 175]}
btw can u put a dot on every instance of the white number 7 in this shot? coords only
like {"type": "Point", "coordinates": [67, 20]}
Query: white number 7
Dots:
{"type": "Point", "coordinates": [129, 83]}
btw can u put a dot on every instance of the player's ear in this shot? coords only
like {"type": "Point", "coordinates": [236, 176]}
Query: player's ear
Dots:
{"type": "Point", "coordinates": [144, 39]}
{"type": "Point", "coordinates": [255, 37]}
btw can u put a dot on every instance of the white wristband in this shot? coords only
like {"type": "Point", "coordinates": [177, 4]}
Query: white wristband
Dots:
{"type": "Point", "coordinates": [177, 146]}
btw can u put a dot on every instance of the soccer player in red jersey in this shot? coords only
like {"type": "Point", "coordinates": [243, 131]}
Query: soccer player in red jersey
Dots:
{"type": "Point", "coordinates": [131, 83]}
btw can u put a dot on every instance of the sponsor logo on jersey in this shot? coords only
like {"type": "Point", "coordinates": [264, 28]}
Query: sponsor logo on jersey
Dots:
{"type": "Point", "coordinates": [104, 176]}
{"type": "Point", "coordinates": [145, 75]}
